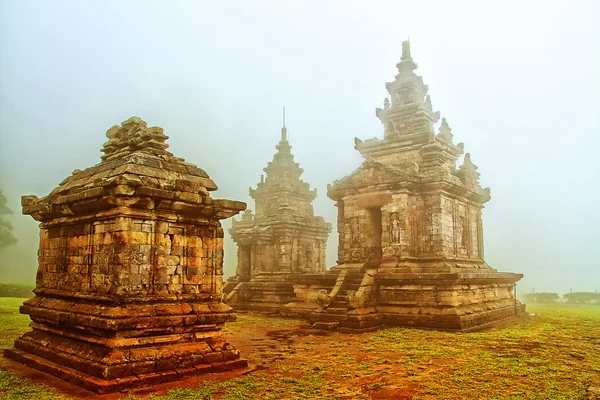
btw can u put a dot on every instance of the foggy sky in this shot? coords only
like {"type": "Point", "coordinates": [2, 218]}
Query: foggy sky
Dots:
{"type": "Point", "coordinates": [518, 82]}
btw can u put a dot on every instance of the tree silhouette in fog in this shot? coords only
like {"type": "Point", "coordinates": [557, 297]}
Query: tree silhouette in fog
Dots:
{"type": "Point", "coordinates": [6, 235]}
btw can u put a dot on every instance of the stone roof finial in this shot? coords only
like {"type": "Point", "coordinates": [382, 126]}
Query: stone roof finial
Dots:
{"type": "Point", "coordinates": [247, 216]}
{"type": "Point", "coordinates": [445, 132]}
{"type": "Point", "coordinates": [134, 136]}
{"type": "Point", "coordinates": [428, 104]}
{"type": "Point", "coordinates": [468, 164]}
{"type": "Point", "coordinates": [468, 171]}
{"type": "Point", "coordinates": [406, 50]}
{"type": "Point", "coordinates": [406, 64]}
{"type": "Point", "coordinates": [386, 103]}
{"type": "Point", "coordinates": [283, 128]}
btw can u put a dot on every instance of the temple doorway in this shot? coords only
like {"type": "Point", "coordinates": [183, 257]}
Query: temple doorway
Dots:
{"type": "Point", "coordinates": [374, 237]}
{"type": "Point", "coordinates": [245, 263]}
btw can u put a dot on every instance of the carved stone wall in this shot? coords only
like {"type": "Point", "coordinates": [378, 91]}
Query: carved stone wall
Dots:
{"type": "Point", "coordinates": [156, 257]}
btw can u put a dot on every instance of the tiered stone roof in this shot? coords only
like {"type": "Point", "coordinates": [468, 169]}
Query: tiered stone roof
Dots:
{"type": "Point", "coordinates": [283, 188]}
{"type": "Point", "coordinates": [135, 163]}
{"type": "Point", "coordinates": [410, 143]}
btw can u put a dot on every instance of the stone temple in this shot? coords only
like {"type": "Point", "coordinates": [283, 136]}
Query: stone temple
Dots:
{"type": "Point", "coordinates": [410, 248]}
{"type": "Point", "coordinates": [129, 284]}
{"type": "Point", "coordinates": [282, 241]}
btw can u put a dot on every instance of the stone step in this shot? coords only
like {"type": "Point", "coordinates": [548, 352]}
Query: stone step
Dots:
{"type": "Point", "coordinates": [345, 288]}
{"type": "Point", "coordinates": [350, 286]}
{"type": "Point", "coordinates": [336, 310]}
{"type": "Point", "coordinates": [330, 317]}
{"type": "Point", "coordinates": [342, 294]}
{"type": "Point", "coordinates": [325, 325]}
{"type": "Point", "coordinates": [338, 304]}
{"type": "Point", "coordinates": [270, 299]}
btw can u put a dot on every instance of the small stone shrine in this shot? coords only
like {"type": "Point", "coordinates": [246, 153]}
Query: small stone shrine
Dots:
{"type": "Point", "coordinates": [129, 284]}
{"type": "Point", "coordinates": [410, 231]}
{"type": "Point", "coordinates": [282, 241]}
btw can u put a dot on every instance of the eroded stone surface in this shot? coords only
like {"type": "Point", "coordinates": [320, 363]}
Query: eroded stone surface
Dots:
{"type": "Point", "coordinates": [410, 248]}
{"type": "Point", "coordinates": [283, 240]}
{"type": "Point", "coordinates": [129, 283]}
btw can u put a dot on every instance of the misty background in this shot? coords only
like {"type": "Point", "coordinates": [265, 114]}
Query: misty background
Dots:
{"type": "Point", "coordinates": [518, 82]}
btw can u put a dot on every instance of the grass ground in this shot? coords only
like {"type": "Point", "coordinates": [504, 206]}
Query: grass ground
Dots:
{"type": "Point", "coordinates": [550, 356]}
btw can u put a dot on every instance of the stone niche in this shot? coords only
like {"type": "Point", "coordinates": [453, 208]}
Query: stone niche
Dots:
{"type": "Point", "coordinates": [282, 241]}
{"type": "Point", "coordinates": [410, 248]}
{"type": "Point", "coordinates": [129, 283]}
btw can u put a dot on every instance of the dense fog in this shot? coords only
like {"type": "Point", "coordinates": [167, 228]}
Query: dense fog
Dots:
{"type": "Point", "coordinates": [517, 81]}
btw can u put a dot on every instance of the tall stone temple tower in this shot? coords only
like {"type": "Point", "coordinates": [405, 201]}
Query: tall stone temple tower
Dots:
{"type": "Point", "coordinates": [410, 246]}
{"type": "Point", "coordinates": [283, 240]}
{"type": "Point", "coordinates": [129, 283]}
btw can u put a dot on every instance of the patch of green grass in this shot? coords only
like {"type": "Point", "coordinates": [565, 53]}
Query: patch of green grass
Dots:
{"type": "Point", "coordinates": [13, 387]}
{"type": "Point", "coordinates": [12, 324]}
{"type": "Point", "coordinates": [199, 393]}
